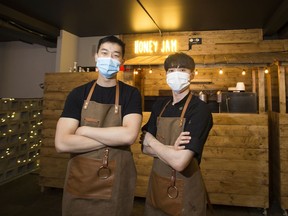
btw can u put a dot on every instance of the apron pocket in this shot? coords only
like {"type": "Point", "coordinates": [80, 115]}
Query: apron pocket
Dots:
{"type": "Point", "coordinates": [92, 122]}
{"type": "Point", "coordinates": [159, 198]}
{"type": "Point", "coordinates": [85, 178]}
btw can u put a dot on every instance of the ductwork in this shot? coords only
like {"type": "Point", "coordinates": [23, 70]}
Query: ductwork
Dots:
{"type": "Point", "coordinates": [19, 27]}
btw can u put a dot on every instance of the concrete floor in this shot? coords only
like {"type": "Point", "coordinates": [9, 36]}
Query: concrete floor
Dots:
{"type": "Point", "coordinates": [23, 197]}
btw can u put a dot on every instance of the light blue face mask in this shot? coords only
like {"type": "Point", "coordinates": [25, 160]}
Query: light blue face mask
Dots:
{"type": "Point", "coordinates": [108, 67]}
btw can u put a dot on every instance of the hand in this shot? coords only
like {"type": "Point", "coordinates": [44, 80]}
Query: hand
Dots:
{"type": "Point", "coordinates": [142, 137]}
{"type": "Point", "coordinates": [184, 138]}
{"type": "Point", "coordinates": [145, 138]}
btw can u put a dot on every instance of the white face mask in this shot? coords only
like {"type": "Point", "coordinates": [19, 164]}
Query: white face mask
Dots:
{"type": "Point", "coordinates": [178, 80]}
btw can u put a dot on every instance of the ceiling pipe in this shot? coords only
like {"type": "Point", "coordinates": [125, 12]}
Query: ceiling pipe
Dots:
{"type": "Point", "coordinates": [160, 32]}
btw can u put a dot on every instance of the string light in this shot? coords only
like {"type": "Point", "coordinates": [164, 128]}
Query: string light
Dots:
{"type": "Point", "coordinates": [19, 132]}
{"type": "Point", "coordinates": [243, 72]}
{"type": "Point", "coordinates": [266, 71]}
{"type": "Point", "coordinates": [220, 71]}
{"type": "Point", "coordinates": [196, 72]}
{"type": "Point", "coordinates": [150, 71]}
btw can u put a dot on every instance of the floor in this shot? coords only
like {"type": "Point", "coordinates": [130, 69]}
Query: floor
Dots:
{"type": "Point", "coordinates": [23, 197]}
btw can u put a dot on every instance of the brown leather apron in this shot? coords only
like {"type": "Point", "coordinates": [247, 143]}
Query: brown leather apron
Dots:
{"type": "Point", "coordinates": [171, 192]}
{"type": "Point", "coordinates": [100, 182]}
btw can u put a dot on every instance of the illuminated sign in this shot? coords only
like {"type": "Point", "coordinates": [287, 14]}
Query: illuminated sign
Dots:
{"type": "Point", "coordinates": [151, 46]}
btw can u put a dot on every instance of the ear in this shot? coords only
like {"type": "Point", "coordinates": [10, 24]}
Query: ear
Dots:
{"type": "Point", "coordinates": [192, 75]}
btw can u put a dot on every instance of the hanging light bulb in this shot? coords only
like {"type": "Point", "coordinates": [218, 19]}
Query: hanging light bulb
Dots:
{"type": "Point", "coordinates": [243, 72]}
{"type": "Point", "coordinates": [150, 70]}
{"type": "Point", "coordinates": [196, 72]}
{"type": "Point", "coordinates": [220, 71]}
{"type": "Point", "coordinates": [266, 71]}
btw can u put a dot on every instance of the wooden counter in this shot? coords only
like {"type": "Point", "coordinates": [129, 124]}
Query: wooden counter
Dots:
{"type": "Point", "coordinates": [279, 156]}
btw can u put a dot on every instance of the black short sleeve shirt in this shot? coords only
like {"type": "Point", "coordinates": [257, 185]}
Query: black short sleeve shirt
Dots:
{"type": "Point", "coordinates": [198, 116]}
{"type": "Point", "coordinates": [129, 99]}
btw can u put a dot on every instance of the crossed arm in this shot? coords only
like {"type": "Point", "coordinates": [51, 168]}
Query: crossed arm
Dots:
{"type": "Point", "coordinates": [174, 155]}
{"type": "Point", "coordinates": [71, 138]}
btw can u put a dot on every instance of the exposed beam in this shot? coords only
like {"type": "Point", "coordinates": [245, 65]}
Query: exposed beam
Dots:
{"type": "Point", "coordinates": [16, 34]}
{"type": "Point", "coordinates": [25, 28]}
{"type": "Point", "coordinates": [277, 20]}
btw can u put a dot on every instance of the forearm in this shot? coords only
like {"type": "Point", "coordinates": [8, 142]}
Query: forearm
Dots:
{"type": "Point", "coordinates": [67, 141]}
{"type": "Point", "coordinates": [148, 151]}
{"type": "Point", "coordinates": [76, 144]}
{"type": "Point", "coordinates": [177, 159]}
{"type": "Point", "coordinates": [114, 136]}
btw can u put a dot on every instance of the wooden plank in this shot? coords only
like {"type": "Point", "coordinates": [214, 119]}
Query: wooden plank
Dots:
{"type": "Point", "coordinates": [239, 200]}
{"type": "Point", "coordinates": [239, 130]}
{"type": "Point", "coordinates": [241, 189]}
{"type": "Point", "coordinates": [53, 167]}
{"type": "Point", "coordinates": [240, 142]}
{"type": "Point", "coordinates": [45, 181]}
{"type": "Point", "coordinates": [240, 119]}
{"type": "Point", "coordinates": [282, 89]}
{"type": "Point", "coordinates": [227, 164]}
{"type": "Point", "coordinates": [51, 153]}
{"type": "Point", "coordinates": [236, 153]}
{"type": "Point", "coordinates": [261, 93]}
{"type": "Point", "coordinates": [269, 92]}
{"type": "Point", "coordinates": [235, 176]}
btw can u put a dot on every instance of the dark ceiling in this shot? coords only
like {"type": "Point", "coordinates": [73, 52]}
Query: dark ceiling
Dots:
{"type": "Point", "coordinates": [40, 21]}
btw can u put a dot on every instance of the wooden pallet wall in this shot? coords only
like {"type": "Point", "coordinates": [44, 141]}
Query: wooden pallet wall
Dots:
{"type": "Point", "coordinates": [235, 160]}
{"type": "Point", "coordinates": [283, 145]}
{"type": "Point", "coordinates": [56, 88]}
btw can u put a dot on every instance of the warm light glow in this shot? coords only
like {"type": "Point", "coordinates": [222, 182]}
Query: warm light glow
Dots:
{"type": "Point", "coordinates": [196, 72]}
{"type": "Point", "coordinates": [220, 71]}
{"type": "Point", "coordinates": [150, 71]}
{"type": "Point", "coordinates": [154, 46]}
{"type": "Point", "coordinates": [266, 71]}
{"type": "Point", "coordinates": [243, 72]}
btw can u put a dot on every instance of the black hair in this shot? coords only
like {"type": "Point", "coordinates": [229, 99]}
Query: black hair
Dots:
{"type": "Point", "coordinates": [179, 60]}
{"type": "Point", "coordinates": [112, 39]}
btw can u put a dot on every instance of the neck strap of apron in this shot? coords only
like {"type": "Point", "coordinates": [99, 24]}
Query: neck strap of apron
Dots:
{"type": "Point", "coordinates": [86, 103]}
{"type": "Point", "coordinates": [183, 111]}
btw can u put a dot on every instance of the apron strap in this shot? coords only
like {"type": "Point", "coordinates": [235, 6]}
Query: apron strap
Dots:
{"type": "Point", "coordinates": [117, 98]}
{"type": "Point", "coordinates": [164, 108]}
{"type": "Point", "coordinates": [86, 103]}
{"type": "Point", "coordinates": [184, 109]}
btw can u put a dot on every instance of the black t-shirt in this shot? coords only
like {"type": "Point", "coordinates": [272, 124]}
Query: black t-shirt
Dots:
{"type": "Point", "coordinates": [198, 122]}
{"type": "Point", "coordinates": [129, 99]}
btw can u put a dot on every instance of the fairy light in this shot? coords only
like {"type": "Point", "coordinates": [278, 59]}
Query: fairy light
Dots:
{"type": "Point", "coordinates": [220, 71]}
{"type": "Point", "coordinates": [24, 154]}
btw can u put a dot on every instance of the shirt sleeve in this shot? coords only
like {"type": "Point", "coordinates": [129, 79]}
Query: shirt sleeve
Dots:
{"type": "Point", "coordinates": [133, 103]}
{"type": "Point", "coordinates": [199, 125]}
{"type": "Point", "coordinates": [151, 125]}
{"type": "Point", "coordinates": [73, 105]}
